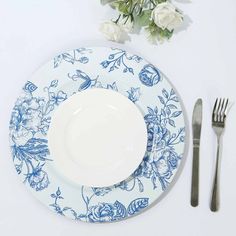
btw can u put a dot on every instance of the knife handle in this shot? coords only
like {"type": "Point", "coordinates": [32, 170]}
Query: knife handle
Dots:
{"type": "Point", "coordinates": [195, 176]}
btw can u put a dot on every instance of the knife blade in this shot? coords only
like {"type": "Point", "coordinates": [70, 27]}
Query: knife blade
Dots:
{"type": "Point", "coordinates": [196, 127]}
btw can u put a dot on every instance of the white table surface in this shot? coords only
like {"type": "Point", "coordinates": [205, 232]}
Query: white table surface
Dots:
{"type": "Point", "coordinates": [199, 61]}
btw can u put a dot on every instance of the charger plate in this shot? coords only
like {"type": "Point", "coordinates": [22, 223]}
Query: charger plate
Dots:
{"type": "Point", "coordinates": [87, 68]}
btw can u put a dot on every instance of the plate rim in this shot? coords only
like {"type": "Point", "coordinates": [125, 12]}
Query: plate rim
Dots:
{"type": "Point", "coordinates": [185, 148]}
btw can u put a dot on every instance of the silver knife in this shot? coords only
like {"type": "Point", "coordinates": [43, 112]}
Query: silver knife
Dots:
{"type": "Point", "coordinates": [196, 126]}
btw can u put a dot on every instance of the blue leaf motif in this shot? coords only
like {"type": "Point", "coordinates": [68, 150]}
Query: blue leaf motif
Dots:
{"type": "Point", "coordinates": [175, 99]}
{"type": "Point", "coordinates": [161, 100]}
{"type": "Point", "coordinates": [168, 111]}
{"type": "Point", "coordinates": [176, 113]}
{"type": "Point", "coordinates": [137, 205]}
{"type": "Point", "coordinates": [57, 61]}
{"type": "Point", "coordinates": [112, 86]}
{"type": "Point", "coordinates": [35, 148]}
{"type": "Point", "coordinates": [54, 83]}
{"type": "Point", "coordinates": [171, 122]}
{"type": "Point", "coordinates": [172, 92]}
{"type": "Point", "coordinates": [29, 124]}
{"type": "Point", "coordinates": [102, 211]}
{"type": "Point", "coordinates": [150, 111]}
{"type": "Point", "coordinates": [67, 57]}
{"type": "Point", "coordinates": [172, 106]}
{"type": "Point", "coordinates": [85, 85]}
{"type": "Point", "coordinates": [120, 210]}
{"type": "Point", "coordinates": [140, 185]}
{"type": "Point", "coordinates": [165, 93]}
{"type": "Point", "coordinates": [163, 112]}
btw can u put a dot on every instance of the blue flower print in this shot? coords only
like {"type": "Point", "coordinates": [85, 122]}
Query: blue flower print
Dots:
{"type": "Point", "coordinates": [101, 213]}
{"type": "Point", "coordinates": [149, 75]}
{"type": "Point", "coordinates": [73, 57]}
{"type": "Point", "coordinates": [158, 137]}
{"type": "Point", "coordinates": [57, 98]}
{"type": "Point", "coordinates": [38, 179]}
{"type": "Point", "coordinates": [119, 59]}
{"type": "Point", "coordinates": [134, 94]}
{"type": "Point", "coordinates": [26, 116]}
{"type": "Point", "coordinates": [119, 71]}
{"type": "Point", "coordinates": [160, 159]}
{"type": "Point", "coordinates": [29, 124]}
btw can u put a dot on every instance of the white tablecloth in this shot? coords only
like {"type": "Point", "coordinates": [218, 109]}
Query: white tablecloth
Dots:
{"type": "Point", "coordinates": [199, 61]}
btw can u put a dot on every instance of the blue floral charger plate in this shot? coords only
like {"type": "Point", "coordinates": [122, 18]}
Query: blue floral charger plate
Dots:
{"type": "Point", "coordinates": [88, 68]}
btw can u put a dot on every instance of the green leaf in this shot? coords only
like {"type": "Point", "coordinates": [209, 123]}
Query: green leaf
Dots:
{"type": "Point", "coordinates": [104, 2]}
{"type": "Point", "coordinates": [160, 1]}
{"type": "Point", "coordinates": [152, 31]}
{"type": "Point", "coordinates": [166, 33]}
{"type": "Point", "coordinates": [121, 6]}
{"type": "Point", "coordinates": [144, 18]}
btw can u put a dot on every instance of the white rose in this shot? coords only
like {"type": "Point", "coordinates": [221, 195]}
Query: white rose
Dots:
{"type": "Point", "coordinates": [166, 16]}
{"type": "Point", "coordinates": [113, 31]}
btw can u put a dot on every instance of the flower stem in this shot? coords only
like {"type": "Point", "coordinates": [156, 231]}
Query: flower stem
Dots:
{"type": "Point", "coordinates": [116, 21]}
{"type": "Point", "coordinates": [153, 3]}
{"type": "Point", "coordinates": [127, 17]}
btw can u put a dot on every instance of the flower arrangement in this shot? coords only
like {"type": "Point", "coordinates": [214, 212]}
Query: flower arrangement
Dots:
{"type": "Point", "coordinates": [159, 18]}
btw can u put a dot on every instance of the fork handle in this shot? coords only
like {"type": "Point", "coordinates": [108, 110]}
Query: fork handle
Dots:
{"type": "Point", "coordinates": [215, 191]}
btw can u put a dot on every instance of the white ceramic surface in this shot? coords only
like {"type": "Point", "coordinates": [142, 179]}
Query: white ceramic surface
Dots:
{"type": "Point", "coordinates": [77, 71]}
{"type": "Point", "coordinates": [97, 130]}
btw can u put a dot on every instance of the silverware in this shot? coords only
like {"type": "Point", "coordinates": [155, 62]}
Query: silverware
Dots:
{"type": "Point", "coordinates": [196, 126]}
{"type": "Point", "coordinates": [218, 125]}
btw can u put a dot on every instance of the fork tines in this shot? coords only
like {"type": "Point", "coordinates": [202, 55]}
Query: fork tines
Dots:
{"type": "Point", "coordinates": [220, 109]}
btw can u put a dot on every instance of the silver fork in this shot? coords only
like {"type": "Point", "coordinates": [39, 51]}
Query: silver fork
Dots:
{"type": "Point", "coordinates": [218, 125]}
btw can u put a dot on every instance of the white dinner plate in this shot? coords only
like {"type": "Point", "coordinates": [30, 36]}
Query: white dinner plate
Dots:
{"type": "Point", "coordinates": [98, 130]}
{"type": "Point", "coordinates": [37, 111]}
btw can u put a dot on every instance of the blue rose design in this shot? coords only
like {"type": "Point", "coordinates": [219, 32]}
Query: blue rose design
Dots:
{"type": "Point", "coordinates": [149, 75]}
{"type": "Point", "coordinates": [172, 158]}
{"type": "Point", "coordinates": [163, 167]}
{"type": "Point", "coordinates": [101, 213]}
{"type": "Point", "coordinates": [158, 136]}
{"type": "Point", "coordinates": [166, 163]}
{"type": "Point", "coordinates": [38, 179]}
